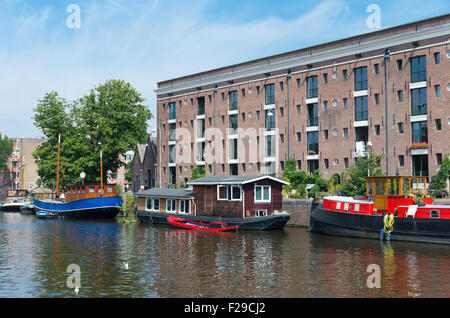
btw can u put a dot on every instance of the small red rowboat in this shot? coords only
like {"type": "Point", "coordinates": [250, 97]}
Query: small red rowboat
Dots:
{"type": "Point", "coordinates": [202, 226]}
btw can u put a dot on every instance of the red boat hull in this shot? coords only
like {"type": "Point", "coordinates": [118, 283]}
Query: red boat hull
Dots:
{"type": "Point", "coordinates": [201, 226]}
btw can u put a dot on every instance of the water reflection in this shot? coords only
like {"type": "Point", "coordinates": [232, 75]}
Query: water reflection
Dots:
{"type": "Point", "coordinates": [167, 262]}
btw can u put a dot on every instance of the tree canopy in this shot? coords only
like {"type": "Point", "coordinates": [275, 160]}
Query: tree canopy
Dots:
{"type": "Point", "coordinates": [111, 119]}
{"type": "Point", "coordinates": [6, 148]}
{"type": "Point", "coordinates": [439, 180]}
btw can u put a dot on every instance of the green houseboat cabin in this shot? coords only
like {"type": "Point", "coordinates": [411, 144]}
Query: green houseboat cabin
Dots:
{"type": "Point", "coordinates": [178, 201]}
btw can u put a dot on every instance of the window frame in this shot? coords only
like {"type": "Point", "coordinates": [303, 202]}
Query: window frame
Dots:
{"type": "Point", "coordinates": [262, 194]}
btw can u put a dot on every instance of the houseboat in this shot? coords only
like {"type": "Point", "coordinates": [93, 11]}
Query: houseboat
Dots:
{"type": "Point", "coordinates": [15, 200]}
{"type": "Point", "coordinates": [395, 208]}
{"type": "Point", "coordinates": [249, 202]}
{"type": "Point", "coordinates": [84, 202]}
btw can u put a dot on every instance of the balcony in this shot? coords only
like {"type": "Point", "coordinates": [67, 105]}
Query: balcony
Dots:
{"type": "Point", "coordinates": [361, 150]}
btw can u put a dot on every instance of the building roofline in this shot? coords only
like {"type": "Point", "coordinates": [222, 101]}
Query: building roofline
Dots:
{"type": "Point", "coordinates": [170, 88]}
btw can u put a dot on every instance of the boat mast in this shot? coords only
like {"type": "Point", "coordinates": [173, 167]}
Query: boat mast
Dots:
{"type": "Point", "coordinates": [57, 166]}
{"type": "Point", "coordinates": [101, 173]}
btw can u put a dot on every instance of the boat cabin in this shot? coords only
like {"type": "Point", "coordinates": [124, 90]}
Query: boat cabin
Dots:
{"type": "Point", "coordinates": [81, 192]}
{"type": "Point", "coordinates": [19, 193]}
{"type": "Point", "coordinates": [178, 201]}
{"type": "Point", "coordinates": [389, 192]}
{"type": "Point", "coordinates": [238, 196]}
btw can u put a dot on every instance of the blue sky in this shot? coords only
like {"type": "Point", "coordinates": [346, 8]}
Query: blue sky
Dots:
{"type": "Point", "coordinates": [146, 41]}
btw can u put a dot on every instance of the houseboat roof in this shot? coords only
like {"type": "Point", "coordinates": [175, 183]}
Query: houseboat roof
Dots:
{"type": "Point", "coordinates": [166, 193]}
{"type": "Point", "coordinates": [232, 180]}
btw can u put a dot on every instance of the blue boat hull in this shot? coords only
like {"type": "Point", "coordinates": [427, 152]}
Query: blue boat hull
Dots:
{"type": "Point", "coordinates": [94, 208]}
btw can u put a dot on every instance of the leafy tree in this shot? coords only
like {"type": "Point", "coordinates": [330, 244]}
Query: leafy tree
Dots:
{"type": "Point", "coordinates": [111, 119]}
{"type": "Point", "coordinates": [6, 148]}
{"type": "Point", "coordinates": [439, 180]}
{"type": "Point", "coordinates": [197, 172]}
{"type": "Point", "coordinates": [354, 178]}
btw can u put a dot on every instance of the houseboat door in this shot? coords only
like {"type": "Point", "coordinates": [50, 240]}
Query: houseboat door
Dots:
{"type": "Point", "coordinates": [380, 196]}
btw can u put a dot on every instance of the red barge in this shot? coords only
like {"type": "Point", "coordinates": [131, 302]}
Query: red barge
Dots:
{"type": "Point", "coordinates": [395, 208]}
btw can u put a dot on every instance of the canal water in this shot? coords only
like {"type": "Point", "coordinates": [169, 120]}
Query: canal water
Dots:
{"type": "Point", "coordinates": [167, 262]}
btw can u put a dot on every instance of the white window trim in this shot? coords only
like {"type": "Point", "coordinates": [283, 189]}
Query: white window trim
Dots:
{"type": "Point", "coordinates": [258, 213]}
{"type": "Point", "coordinates": [167, 206]}
{"type": "Point", "coordinates": [223, 186]}
{"type": "Point", "coordinates": [188, 207]}
{"type": "Point", "coordinates": [240, 193]}
{"type": "Point", "coordinates": [262, 194]}
{"type": "Point", "coordinates": [153, 204]}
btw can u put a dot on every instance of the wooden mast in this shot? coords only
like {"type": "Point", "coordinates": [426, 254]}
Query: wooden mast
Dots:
{"type": "Point", "coordinates": [57, 166]}
{"type": "Point", "coordinates": [101, 173]}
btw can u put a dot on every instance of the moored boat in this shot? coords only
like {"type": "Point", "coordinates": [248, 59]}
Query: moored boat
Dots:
{"type": "Point", "coordinates": [249, 202]}
{"type": "Point", "coordinates": [394, 208]}
{"type": "Point", "coordinates": [28, 209]}
{"type": "Point", "coordinates": [84, 202]}
{"type": "Point", "coordinates": [201, 226]}
{"type": "Point", "coordinates": [15, 200]}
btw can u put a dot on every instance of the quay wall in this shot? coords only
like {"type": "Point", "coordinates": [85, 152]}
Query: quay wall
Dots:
{"type": "Point", "coordinates": [300, 210]}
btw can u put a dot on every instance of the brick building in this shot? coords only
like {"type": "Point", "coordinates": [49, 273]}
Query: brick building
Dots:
{"type": "Point", "coordinates": [322, 105]}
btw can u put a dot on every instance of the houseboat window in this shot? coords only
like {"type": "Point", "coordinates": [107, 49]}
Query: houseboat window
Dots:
{"type": "Point", "coordinates": [222, 192]}
{"type": "Point", "coordinates": [393, 187]}
{"type": "Point", "coordinates": [185, 206]}
{"type": "Point", "coordinates": [260, 212]}
{"type": "Point", "coordinates": [148, 204]}
{"type": "Point", "coordinates": [380, 187]}
{"type": "Point", "coordinates": [235, 193]}
{"type": "Point", "coordinates": [91, 189]}
{"type": "Point", "coordinates": [110, 189]}
{"type": "Point", "coordinates": [370, 187]}
{"type": "Point", "coordinates": [171, 205]}
{"type": "Point", "coordinates": [262, 193]}
{"type": "Point", "coordinates": [405, 185]}
{"type": "Point", "coordinates": [155, 204]}
{"type": "Point", "coordinates": [434, 214]}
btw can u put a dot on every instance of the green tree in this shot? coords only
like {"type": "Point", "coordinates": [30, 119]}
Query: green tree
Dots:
{"type": "Point", "coordinates": [6, 149]}
{"type": "Point", "coordinates": [111, 119]}
{"type": "Point", "coordinates": [354, 178]}
{"type": "Point", "coordinates": [197, 172]}
{"type": "Point", "coordinates": [439, 180]}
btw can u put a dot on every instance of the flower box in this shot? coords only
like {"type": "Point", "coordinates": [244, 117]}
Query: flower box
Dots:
{"type": "Point", "coordinates": [417, 145]}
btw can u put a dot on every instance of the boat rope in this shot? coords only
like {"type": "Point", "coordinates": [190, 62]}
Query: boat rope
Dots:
{"type": "Point", "coordinates": [388, 221]}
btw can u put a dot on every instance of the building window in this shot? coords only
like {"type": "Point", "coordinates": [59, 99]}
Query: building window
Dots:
{"type": "Point", "coordinates": [234, 149]}
{"type": "Point", "coordinates": [418, 101]}
{"type": "Point", "coordinates": [311, 87]}
{"type": "Point", "coordinates": [325, 106]}
{"type": "Point", "coordinates": [298, 83]}
{"type": "Point", "coordinates": [200, 105]}
{"type": "Point", "coordinates": [243, 92]}
{"type": "Point", "coordinates": [360, 78]}
{"type": "Point", "coordinates": [346, 133]}
{"type": "Point", "coordinates": [344, 75]}
{"type": "Point", "coordinates": [233, 124]}
{"type": "Point", "coordinates": [399, 65]}
{"type": "Point", "coordinates": [377, 130]}
{"type": "Point", "coordinates": [171, 206]}
{"type": "Point", "coordinates": [377, 98]}
{"type": "Point", "coordinates": [345, 102]}
{"type": "Point", "coordinates": [262, 193]}
{"type": "Point", "coordinates": [299, 136]}
{"type": "Point", "coordinates": [172, 129]}
{"type": "Point", "coordinates": [313, 143]}
{"type": "Point", "coordinates": [281, 86]}
{"type": "Point", "coordinates": [437, 122]}
{"type": "Point", "coordinates": [376, 69]}
{"type": "Point", "coordinates": [313, 115]}
{"type": "Point", "coordinates": [439, 159]}
{"type": "Point", "coordinates": [257, 90]}
{"type": "Point", "coordinates": [400, 95]}
{"type": "Point", "coordinates": [172, 175]}
{"type": "Point", "coordinates": [298, 109]}
{"type": "Point", "coordinates": [258, 114]}
{"type": "Point", "coordinates": [281, 111]}
{"type": "Point", "coordinates": [361, 108]}
{"type": "Point", "coordinates": [437, 90]}
{"type": "Point", "coordinates": [270, 146]}
{"type": "Point", "coordinates": [325, 134]}
{"type": "Point", "coordinates": [243, 117]}
{"type": "Point", "coordinates": [418, 69]}
{"type": "Point", "coordinates": [270, 119]}
{"type": "Point", "coordinates": [313, 165]}
{"type": "Point", "coordinates": [299, 164]}
{"type": "Point", "coordinates": [420, 165]}
{"type": "Point", "coordinates": [326, 163]}
{"type": "Point", "coordinates": [325, 78]}
{"type": "Point", "coordinates": [437, 58]}
{"type": "Point", "coordinates": [233, 169]}
{"type": "Point", "coordinates": [400, 128]}
{"type": "Point", "coordinates": [233, 100]}
{"type": "Point", "coordinates": [270, 94]}
{"type": "Point", "coordinates": [346, 163]}
{"type": "Point", "coordinates": [419, 132]}
{"type": "Point", "coordinates": [282, 138]}
{"type": "Point", "coordinates": [173, 111]}
{"type": "Point", "coordinates": [185, 206]}
{"type": "Point", "coordinates": [401, 160]}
